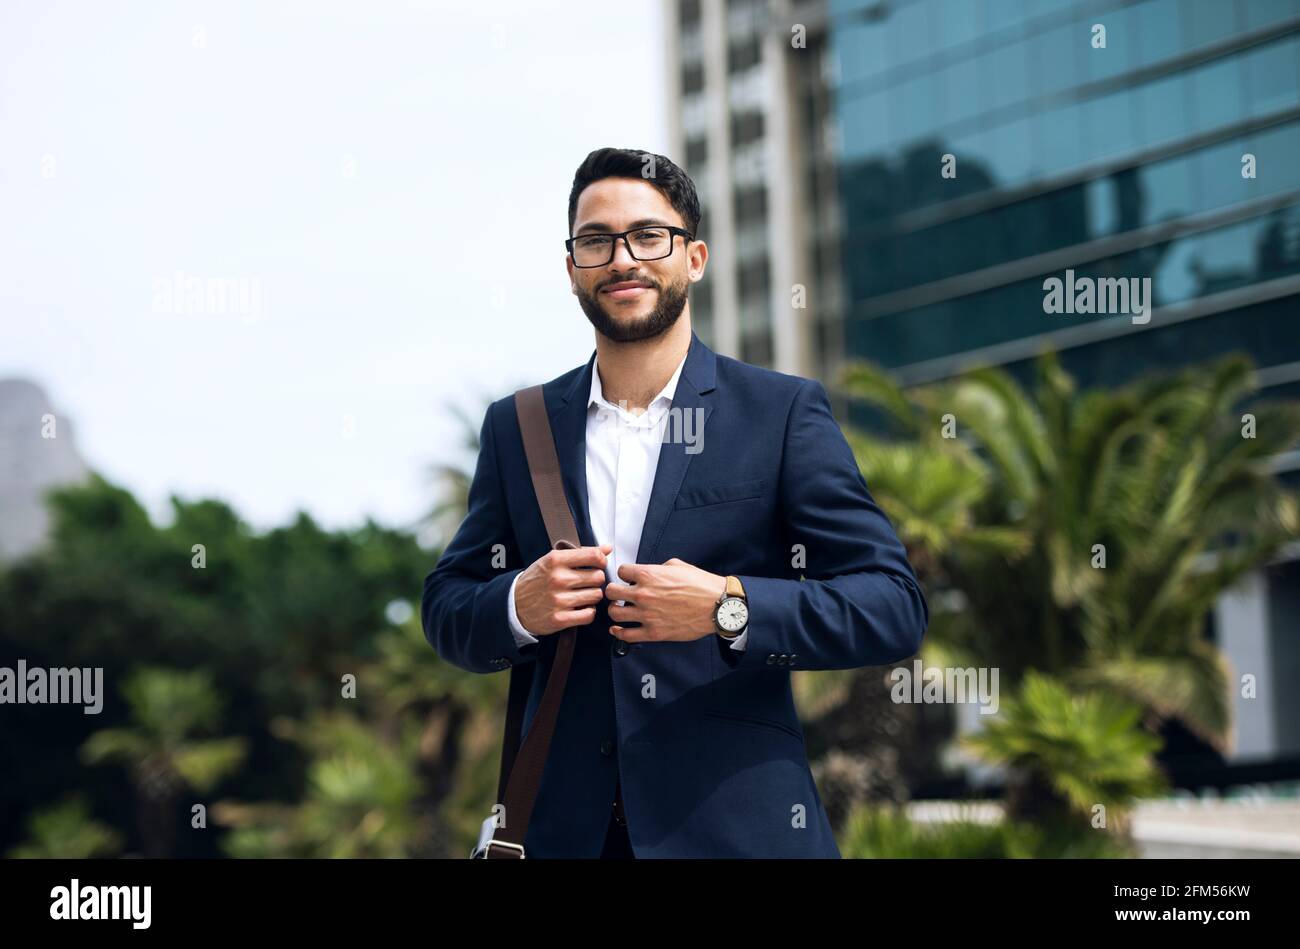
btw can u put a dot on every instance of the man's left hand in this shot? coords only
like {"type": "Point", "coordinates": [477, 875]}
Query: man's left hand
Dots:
{"type": "Point", "coordinates": [673, 601]}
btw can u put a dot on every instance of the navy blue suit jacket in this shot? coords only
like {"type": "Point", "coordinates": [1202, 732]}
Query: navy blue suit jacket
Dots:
{"type": "Point", "coordinates": [714, 764]}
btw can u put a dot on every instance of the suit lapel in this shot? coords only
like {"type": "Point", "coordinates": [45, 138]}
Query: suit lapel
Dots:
{"type": "Point", "coordinates": [692, 410]}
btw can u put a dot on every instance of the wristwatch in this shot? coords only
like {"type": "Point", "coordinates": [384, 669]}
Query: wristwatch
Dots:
{"type": "Point", "coordinates": [731, 615]}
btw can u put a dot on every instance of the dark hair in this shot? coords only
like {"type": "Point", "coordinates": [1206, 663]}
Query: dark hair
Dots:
{"type": "Point", "coordinates": [672, 182]}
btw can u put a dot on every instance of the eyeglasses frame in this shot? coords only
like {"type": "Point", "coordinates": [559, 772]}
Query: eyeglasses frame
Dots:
{"type": "Point", "coordinates": [622, 235]}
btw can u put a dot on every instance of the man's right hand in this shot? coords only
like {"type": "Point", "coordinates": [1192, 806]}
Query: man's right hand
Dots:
{"type": "Point", "coordinates": [560, 589]}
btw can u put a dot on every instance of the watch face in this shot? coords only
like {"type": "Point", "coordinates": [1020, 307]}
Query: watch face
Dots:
{"type": "Point", "coordinates": [733, 614]}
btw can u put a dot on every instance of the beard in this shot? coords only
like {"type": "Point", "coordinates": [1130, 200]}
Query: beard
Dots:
{"type": "Point", "coordinates": [671, 300]}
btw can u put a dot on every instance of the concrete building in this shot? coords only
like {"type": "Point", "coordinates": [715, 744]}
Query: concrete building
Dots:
{"type": "Point", "coordinates": [752, 125]}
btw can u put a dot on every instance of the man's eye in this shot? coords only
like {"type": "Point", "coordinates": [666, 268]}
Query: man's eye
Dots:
{"type": "Point", "coordinates": [594, 241]}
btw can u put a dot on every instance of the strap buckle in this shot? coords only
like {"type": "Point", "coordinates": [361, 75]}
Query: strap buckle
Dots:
{"type": "Point", "coordinates": [483, 849]}
{"type": "Point", "coordinates": [486, 852]}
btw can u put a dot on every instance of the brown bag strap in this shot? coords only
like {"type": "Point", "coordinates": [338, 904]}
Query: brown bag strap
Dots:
{"type": "Point", "coordinates": [521, 770]}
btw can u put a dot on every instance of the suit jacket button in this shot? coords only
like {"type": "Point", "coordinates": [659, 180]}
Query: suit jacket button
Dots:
{"type": "Point", "coordinates": [793, 657]}
{"type": "Point", "coordinates": [606, 747]}
{"type": "Point", "coordinates": [622, 648]}
{"type": "Point", "coordinates": [771, 658]}
{"type": "Point", "coordinates": [505, 662]}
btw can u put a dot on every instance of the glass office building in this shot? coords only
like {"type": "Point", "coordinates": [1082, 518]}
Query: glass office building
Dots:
{"type": "Point", "coordinates": [1124, 160]}
{"type": "Point", "coordinates": [1168, 150]}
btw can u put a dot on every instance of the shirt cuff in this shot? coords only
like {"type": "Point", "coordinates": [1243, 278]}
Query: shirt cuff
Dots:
{"type": "Point", "coordinates": [738, 643]}
{"type": "Point", "coordinates": [522, 636]}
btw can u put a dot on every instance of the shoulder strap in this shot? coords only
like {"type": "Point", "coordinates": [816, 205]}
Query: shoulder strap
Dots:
{"type": "Point", "coordinates": [521, 766]}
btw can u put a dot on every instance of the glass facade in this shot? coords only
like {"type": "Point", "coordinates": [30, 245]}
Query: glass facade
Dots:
{"type": "Point", "coordinates": [1128, 160]}
{"type": "Point", "coordinates": [1168, 154]}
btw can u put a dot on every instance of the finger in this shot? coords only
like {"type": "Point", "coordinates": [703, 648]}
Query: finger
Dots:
{"type": "Point", "coordinates": [626, 614]}
{"type": "Point", "coordinates": [573, 579]}
{"type": "Point", "coordinates": [567, 618]}
{"type": "Point", "coordinates": [630, 634]}
{"type": "Point", "coordinates": [629, 572]}
{"type": "Point", "coordinates": [575, 599]}
{"type": "Point", "coordinates": [618, 591]}
{"type": "Point", "coordinates": [581, 557]}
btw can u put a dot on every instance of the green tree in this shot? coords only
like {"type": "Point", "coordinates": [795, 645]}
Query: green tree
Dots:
{"type": "Point", "coordinates": [1084, 535]}
{"type": "Point", "coordinates": [1157, 475]}
{"type": "Point", "coordinates": [274, 618]}
{"type": "Point", "coordinates": [460, 717]}
{"type": "Point", "coordinates": [1077, 762]}
{"type": "Point", "coordinates": [358, 802]}
{"type": "Point", "coordinates": [163, 749]}
{"type": "Point", "coordinates": [66, 831]}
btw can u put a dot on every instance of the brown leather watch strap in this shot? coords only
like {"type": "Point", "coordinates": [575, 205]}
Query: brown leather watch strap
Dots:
{"type": "Point", "coordinates": [732, 588]}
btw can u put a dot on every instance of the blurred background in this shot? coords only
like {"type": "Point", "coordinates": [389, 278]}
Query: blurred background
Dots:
{"type": "Point", "coordinates": [262, 268]}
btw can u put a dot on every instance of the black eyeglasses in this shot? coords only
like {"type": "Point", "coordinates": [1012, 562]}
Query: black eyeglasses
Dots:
{"type": "Point", "coordinates": [643, 243]}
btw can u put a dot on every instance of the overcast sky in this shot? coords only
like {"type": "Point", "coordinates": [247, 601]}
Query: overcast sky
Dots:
{"type": "Point", "coordinates": [386, 183]}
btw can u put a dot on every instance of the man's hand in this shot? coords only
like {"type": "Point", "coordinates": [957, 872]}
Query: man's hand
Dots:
{"type": "Point", "coordinates": [560, 589]}
{"type": "Point", "coordinates": [673, 601]}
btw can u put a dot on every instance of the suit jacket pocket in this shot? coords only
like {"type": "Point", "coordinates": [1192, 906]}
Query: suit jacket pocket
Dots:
{"type": "Point", "coordinates": [719, 493]}
{"type": "Point", "coordinates": [732, 717]}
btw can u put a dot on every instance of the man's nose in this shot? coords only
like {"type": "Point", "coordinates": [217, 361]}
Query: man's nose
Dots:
{"type": "Point", "coordinates": [626, 259]}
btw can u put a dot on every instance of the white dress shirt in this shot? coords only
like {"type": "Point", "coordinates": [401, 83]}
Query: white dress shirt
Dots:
{"type": "Point", "coordinates": [622, 456]}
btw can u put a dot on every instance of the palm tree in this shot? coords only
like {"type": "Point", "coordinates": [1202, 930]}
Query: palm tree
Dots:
{"type": "Point", "coordinates": [462, 716]}
{"type": "Point", "coordinates": [865, 746]}
{"type": "Point", "coordinates": [1141, 507]}
{"type": "Point", "coordinates": [66, 831]}
{"type": "Point", "coordinates": [451, 481]}
{"type": "Point", "coordinates": [1085, 535]}
{"type": "Point", "coordinates": [359, 799]}
{"type": "Point", "coordinates": [169, 709]}
{"type": "Point", "coordinates": [460, 721]}
{"type": "Point", "coordinates": [1077, 761]}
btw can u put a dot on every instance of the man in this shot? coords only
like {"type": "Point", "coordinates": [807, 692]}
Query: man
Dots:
{"type": "Point", "coordinates": [728, 538]}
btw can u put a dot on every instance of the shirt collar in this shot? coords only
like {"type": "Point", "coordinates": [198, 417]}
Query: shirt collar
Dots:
{"type": "Point", "coordinates": [597, 395]}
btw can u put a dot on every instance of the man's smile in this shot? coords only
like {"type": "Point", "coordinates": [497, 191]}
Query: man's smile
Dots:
{"type": "Point", "coordinates": [627, 289]}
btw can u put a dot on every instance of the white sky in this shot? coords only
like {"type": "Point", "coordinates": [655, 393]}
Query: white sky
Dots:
{"type": "Point", "coordinates": [216, 139]}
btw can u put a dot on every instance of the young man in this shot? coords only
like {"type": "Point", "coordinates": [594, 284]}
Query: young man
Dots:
{"type": "Point", "coordinates": [728, 538]}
